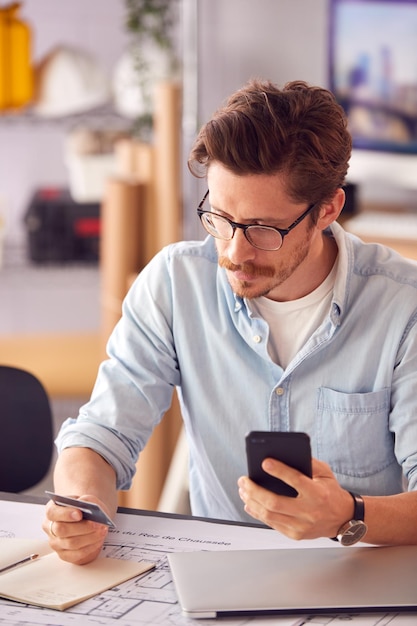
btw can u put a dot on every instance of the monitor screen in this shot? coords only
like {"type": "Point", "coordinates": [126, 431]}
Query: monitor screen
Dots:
{"type": "Point", "coordinates": [373, 71]}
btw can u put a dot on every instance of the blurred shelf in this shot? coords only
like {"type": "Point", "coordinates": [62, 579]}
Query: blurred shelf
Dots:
{"type": "Point", "coordinates": [104, 116]}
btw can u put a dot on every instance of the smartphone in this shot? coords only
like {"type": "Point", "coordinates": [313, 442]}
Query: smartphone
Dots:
{"type": "Point", "coordinates": [89, 510]}
{"type": "Point", "coordinates": [292, 448]}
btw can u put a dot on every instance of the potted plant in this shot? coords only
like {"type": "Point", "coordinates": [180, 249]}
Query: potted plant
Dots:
{"type": "Point", "coordinates": [151, 57]}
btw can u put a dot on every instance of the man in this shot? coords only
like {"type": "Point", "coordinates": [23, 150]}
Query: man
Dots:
{"type": "Point", "coordinates": [279, 320]}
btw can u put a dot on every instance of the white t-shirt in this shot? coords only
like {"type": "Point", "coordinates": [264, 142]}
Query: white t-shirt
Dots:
{"type": "Point", "coordinates": [292, 323]}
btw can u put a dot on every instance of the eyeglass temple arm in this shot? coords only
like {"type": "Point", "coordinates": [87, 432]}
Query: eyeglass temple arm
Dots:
{"type": "Point", "coordinates": [200, 206]}
{"type": "Point", "coordinates": [299, 219]}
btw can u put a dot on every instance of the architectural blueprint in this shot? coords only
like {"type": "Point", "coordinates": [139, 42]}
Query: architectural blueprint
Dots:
{"type": "Point", "coordinates": [150, 599]}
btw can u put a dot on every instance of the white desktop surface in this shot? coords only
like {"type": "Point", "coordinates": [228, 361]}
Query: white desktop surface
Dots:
{"type": "Point", "coordinates": [151, 599]}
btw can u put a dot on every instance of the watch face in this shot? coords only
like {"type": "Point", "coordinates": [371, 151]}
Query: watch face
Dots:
{"type": "Point", "coordinates": [352, 532]}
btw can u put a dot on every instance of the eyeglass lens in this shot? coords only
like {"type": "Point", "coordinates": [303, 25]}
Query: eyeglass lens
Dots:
{"type": "Point", "coordinates": [261, 237]}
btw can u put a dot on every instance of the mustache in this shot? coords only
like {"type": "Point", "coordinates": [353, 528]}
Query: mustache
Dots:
{"type": "Point", "coordinates": [247, 268]}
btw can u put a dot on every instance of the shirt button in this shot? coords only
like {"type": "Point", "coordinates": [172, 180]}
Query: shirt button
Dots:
{"type": "Point", "coordinates": [257, 339]}
{"type": "Point", "coordinates": [279, 391]}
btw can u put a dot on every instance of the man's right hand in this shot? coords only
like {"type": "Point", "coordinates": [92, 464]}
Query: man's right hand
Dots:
{"type": "Point", "coordinates": [83, 472]}
{"type": "Point", "coordinates": [74, 539]}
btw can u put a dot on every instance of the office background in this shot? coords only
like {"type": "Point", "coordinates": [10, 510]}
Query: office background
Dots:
{"type": "Point", "coordinates": [223, 43]}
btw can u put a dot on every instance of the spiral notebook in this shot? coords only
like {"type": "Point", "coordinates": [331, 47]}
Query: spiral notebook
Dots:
{"type": "Point", "coordinates": [295, 581]}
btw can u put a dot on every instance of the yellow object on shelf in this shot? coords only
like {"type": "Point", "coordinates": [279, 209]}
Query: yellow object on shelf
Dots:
{"type": "Point", "coordinates": [16, 72]}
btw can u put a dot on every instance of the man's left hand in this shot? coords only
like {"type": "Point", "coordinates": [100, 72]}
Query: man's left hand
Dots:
{"type": "Point", "coordinates": [319, 510]}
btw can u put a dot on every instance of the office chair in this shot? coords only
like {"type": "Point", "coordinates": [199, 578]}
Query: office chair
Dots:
{"type": "Point", "coordinates": [26, 440]}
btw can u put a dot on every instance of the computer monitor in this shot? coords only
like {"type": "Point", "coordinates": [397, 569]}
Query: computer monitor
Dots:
{"type": "Point", "coordinates": [373, 74]}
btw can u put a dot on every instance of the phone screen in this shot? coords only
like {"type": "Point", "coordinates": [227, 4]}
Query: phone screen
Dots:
{"type": "Point", "coordinates": [292, 448]}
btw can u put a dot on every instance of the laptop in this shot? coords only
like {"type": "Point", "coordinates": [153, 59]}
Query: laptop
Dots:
{"type": "Point", "coordinates": [295, 581]}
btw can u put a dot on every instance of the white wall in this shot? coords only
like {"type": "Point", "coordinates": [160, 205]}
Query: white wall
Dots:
{"type": "Point", "coordinates": [280, 40]}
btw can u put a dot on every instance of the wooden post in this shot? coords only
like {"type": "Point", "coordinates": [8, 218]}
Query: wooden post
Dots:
{"type": "Point", "coordinates": [121, 250]}
{"type": "Point", "coordinates": [167, 122]}
{"type": "Point", "coordinates": [155, 170]}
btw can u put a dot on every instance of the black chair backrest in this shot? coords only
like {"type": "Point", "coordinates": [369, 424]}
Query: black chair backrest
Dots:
{"type": "Point", "coordinates": [26, 439]}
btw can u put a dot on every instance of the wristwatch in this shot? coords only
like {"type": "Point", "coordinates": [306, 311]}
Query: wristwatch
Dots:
{"type": "Point", "coordinates": [355, 529]}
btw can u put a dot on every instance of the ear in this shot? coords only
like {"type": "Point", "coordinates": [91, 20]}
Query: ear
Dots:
{"type": "Point", "coordinates": [330, 211]}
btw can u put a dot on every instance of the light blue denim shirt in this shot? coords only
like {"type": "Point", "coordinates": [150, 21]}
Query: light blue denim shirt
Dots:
{"type": "Point", "coordinates": [352, 387]}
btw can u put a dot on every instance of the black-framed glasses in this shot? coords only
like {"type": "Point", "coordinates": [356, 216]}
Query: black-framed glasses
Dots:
{"type": "Point", "coordinates": [262, 237]}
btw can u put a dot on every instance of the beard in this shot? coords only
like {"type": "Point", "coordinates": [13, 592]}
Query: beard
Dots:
{"type": "Point", "coordinates": [274, 275]}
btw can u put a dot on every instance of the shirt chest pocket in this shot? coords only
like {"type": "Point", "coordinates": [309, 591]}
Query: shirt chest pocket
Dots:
{"type": "Point", "coordinates": [352, 431]}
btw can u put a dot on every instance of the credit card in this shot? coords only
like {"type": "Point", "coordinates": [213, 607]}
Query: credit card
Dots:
{"type": "Point", "coordinates": [89, 510]}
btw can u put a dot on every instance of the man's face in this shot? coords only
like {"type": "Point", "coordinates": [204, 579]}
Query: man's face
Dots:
{"type": "Point", "coordinates": [283, 274]}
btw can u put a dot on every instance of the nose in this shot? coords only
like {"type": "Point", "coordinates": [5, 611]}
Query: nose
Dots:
{"type": "Point", "coordinates": [238, 249]}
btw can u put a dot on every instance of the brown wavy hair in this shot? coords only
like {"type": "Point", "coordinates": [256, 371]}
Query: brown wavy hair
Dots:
{"type": "Point", "coordinates": [299, 130]}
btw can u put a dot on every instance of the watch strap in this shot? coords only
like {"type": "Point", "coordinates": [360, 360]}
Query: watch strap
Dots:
{"type": "Point", "coordinates": [358, 511]}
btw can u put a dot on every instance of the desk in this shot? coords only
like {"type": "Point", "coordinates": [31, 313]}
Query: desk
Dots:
{"type": "Point", "coordinates": [66, 364]}
{"type": "Point", "coordinates": [151, 600]}
{"type": "Point", "coordinates": [397, 230]}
